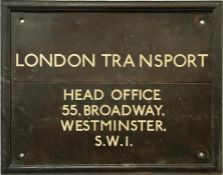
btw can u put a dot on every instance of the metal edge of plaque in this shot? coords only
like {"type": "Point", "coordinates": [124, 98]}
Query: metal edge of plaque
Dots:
{"type": "Point", "coordinates": [15, 5]}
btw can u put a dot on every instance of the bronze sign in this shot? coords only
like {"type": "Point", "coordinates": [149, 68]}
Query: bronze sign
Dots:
{"type": "Point", "coordinates": [118, 86]}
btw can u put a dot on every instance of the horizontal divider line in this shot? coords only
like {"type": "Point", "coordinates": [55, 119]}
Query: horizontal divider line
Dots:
{"type": "Point", "coordinates": [130, 83]}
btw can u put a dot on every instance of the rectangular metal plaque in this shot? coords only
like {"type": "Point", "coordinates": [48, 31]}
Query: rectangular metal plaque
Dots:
{"type": "Point", "coordinates": [118, 86]}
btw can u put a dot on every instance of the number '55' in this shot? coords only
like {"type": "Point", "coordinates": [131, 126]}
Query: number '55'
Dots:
{"type": "Point", "coordinates": [69, 110]}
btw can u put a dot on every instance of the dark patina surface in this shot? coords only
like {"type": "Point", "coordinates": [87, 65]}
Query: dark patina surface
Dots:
{"type": "Point", "coordinates": [32, 97]}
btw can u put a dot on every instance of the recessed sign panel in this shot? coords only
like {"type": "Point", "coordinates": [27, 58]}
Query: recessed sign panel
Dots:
{"type": "Point", "coordinates": [118, 86]}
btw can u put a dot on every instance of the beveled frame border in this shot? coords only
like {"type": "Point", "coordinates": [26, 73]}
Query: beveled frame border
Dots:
{"type": "Point", "coordinates": [9, 6]}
